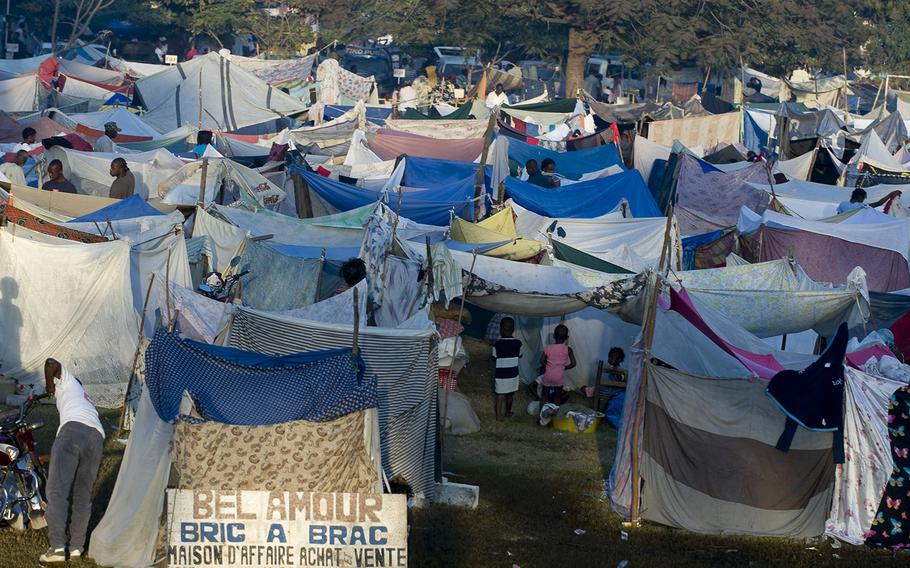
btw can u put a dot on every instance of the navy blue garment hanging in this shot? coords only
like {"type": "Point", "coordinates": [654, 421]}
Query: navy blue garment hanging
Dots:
{"type": "Point", "coordinates": [814, 397]}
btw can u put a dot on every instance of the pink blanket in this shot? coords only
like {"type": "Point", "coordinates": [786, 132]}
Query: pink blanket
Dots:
{"type": "Point", "coordinates": [762, 366]}
{"type": "Point", "coordinates": [388, 146]}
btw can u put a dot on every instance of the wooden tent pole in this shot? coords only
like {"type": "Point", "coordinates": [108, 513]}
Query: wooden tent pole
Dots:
{"type": "Point", "coordinates": [647, 339]}
{"type": "Point", "coordinates": [129, 384]}
{"type": "Point", "coordinates": [355, 341]}
{"type": "Point", "coordinates": [445, 395]}
{"type": "Point", "coordinates": [205, 171]}
{"type": "Point", "coordinates": [481, 168]}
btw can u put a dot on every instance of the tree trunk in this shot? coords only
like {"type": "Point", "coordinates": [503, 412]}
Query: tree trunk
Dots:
{"type": "Point", "coordinates": [54, 26]}
{"type": "Point", "coordinates": [581, 44]}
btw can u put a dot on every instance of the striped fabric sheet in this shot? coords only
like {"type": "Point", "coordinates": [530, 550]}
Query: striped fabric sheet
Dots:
{"type": "Point", "coordinates": [406, 362]}
{"type": "Point", "coordinates": [709, 463]}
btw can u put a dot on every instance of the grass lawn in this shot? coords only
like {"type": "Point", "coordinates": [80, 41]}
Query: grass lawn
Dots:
{"type": "Point", "coordinates": [536, 488]}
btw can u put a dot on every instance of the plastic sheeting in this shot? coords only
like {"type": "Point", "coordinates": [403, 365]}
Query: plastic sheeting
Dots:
{"type": "Point", "coordinates": [210, 92]}
{"type": "Point", "coordinates": [568, 164]}
{"type": "Point", "coordinates": [431, 206]}
{"type": "Point", "coordinates": [774, 298]}
{"type": "Point", "coordinates": [586, 199]}
{"type": "Point", "coordinates": [496, 229]}
{"type": "Point", "coordinates": [128, 208]}
{"type": "Point", "coordinates": [226, 237]}
{"type": "Point", "coordinates": [236, 182]}
{"type": "Point", "coordinates": [90, 171]}
{"type": "Point", "coordinates": [440, 129]}
{"type": "Point", "coordinates": [70, 301]}
{"type": "Point", "coordinates": [277, 282]}
{"type": "Point", "coordinates": [20, 94]}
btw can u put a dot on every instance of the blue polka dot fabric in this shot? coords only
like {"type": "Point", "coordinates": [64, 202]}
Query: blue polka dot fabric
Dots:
{"type": "Point", "coordinates": [238, 387]}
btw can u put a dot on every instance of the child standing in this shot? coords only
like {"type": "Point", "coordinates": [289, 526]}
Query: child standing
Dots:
{"type": "Point", "coordinates": [506, 352]}
{"type": "Point", "coordinates": [557, 358]}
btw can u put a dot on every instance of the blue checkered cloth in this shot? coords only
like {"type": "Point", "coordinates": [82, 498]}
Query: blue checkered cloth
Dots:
{"type": "Point", "coordinates": [233, 386]}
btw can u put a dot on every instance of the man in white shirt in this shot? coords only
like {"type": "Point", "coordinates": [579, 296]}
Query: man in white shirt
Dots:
{"type": "Point", "coordinates": [161, 49]}
{"type": "Point", "coordinates": [13, 170]}
{"type": "Point", "coordinates": [75, 458]}
{"type": "Point", "coordinates": [105, 142]}
{"type": "Point", "coordinates": [496, 98]}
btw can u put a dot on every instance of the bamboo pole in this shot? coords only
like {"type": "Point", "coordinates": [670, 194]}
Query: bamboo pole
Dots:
{"type": "Point", "coordinates": [355, 341]}
{"type": "Point", "coordinates": [647, 338]}
{"type": "Point", "coordinates": [478, 181]}
{"type": "Point", "coordinates": [205, 171]}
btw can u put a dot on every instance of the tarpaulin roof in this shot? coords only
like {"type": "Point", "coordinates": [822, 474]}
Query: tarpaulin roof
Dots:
{"type": "Point", "coordinates": [427, 172]}
{"type": "Point", "coordinates": [230, 97]}
{"type": "Point", "coordinates": [461, 113]}
{"type": "Point", "coordinates": [569, 164]}
{"type": "Point", "coordinates": [586, 199]}
{"type": "Point", "coordinates": [431, 206]}
{"type": "Point", "coordinates": [634, 112]}
{"type": "Point", "coordinates": [389, 144]}
{"type": "Point", "coordinates": [129, 208]}
{"type": "Point", "coordinates": [556, 106]}
{"type": "Point", "coordinates": [572, 255]}
{"type": "Point", "coordinates": [811, 124]}
{"type": "Point", "coordinates": [496, 229]}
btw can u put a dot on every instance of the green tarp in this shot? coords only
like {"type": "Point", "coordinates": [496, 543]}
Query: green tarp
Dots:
{"type": "Point", "coordinates": [557, 106]}
{"type": "Point", "coordinates": [461, 113]}
{"type": "Point", "coordinates": [566, 253]}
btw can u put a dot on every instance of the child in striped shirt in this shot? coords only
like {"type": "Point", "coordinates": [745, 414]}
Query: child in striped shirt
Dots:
{"type": "Point", "coordinates": [506, 352]}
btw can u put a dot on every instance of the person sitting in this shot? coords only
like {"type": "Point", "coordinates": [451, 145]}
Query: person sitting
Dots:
{"type": "Point", "coordinates": [352, 271]}
{"type": "Point", "coordinates": [531, 168]}
{"type": "Point", "coordinates": [56, 181]}
{"type": "Point", "coordinates": [858, 198]}
{"type": "Point", "coordinates": [124, 182]}
{"type": "Point", "coordinates": [204, 139]}
{"type": "Point", "coordinates": [545, 178]}
{"type": "Point", "coordinates": [13, 170]}
{"type": "Point", "coordinates": [613, 372]}
{"type": "Point", "coordinates": [105, 142]}
{"type": "Point", "coordinates": [28, 139]}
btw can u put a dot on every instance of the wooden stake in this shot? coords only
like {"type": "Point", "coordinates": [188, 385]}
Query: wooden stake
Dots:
{"type": "Point", "coordinates": [205, 171]}
{"type": "Point", "coordinates": [647, 338]}
{"type": "Point", "coordinates": [355, 347]}
{"type": "Point", "coordinates": [846, 102]}
{"type": "Point", "coordinates": [481, 168]}
{"type": "Point", "coordinates": [129, 384]}
{"type": "Point", "coordinates": [445, 394]}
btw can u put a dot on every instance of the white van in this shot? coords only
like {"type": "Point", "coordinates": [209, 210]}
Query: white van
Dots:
{"type": "Point", "coordinates": [454, 60]}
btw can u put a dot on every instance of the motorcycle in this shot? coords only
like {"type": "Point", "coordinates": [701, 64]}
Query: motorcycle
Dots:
{"type": "Point", "coordinates": [23, 479]}
{"type": "Point", "coordinates": [221, 288]}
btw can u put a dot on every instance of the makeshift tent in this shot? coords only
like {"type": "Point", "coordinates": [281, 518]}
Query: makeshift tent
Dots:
{"type": "Point", "coordinates": [59, 206]}
{"type": "Point", "coordinates": [572, 165]}
{"type": "Point", "coordinates": [84, 315]}
{"type": "Point", "coordinates": [461, 113]}
{"type": "Point", "coordinates": [209, 92]}
{"type": "Point", "coordinates": [431, 206]}
{"type": "Point", "coordinates": [335, 83]}
{"type": "Point", "coordinates": [831, 91]}
{"type": "Point", "coordinates": [829, 251]}
{"type": "Point", "coordinates": [405, 362]}
{"type": "Point", "coordinates": [440, 129]}
{"type": "Point", "coordinates": [128, 208]}
{"type": "Point", "coordinates": [277, 282]}
{"type": "Point", "coordinates": [389, 144]}
{"type": "Point", "coordinates": [21, 94]}
{"type": "Point", "coordinates": [91, 124]}
{"type": "Point", "coordinates": [709, 200]}
{"type": "Point", "coordinates": [320, 387]}
{"type": "Point", "coordinates": [704, 131]}
{"type": "Point", "coordinates": [225, 180]}
{"type": "Point", "coordinates": [90, 171]}
{"type": "Point", "coordinates": [276, 71]}
{"type": "Point", "coordinates": [586, 199]}
{"type": "Point", "coordinates": [497, 229]}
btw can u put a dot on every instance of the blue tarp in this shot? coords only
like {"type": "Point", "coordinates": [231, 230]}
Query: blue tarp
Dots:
{"type": "Point", "coordinates": [586, 199]}
{"type": "Point", "coordinates": [754, 138]}
{"type": "Point", "coordinates": [572, 165]}
{"type": "Point", "coordinates": [238, 387]}
{"type": "Point", "coordinates": [431, 172]}
{"type": "Point", "coordinates": [129, 208]}
{"type": "Point", "coordinates": [276, 281]}
{"type": "Point", "coordinates": [691, 244]}
{"type": "Point", "coordinates": [428, 206]}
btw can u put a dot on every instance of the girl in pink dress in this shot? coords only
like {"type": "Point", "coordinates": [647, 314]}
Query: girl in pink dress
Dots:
{"type": "Point", "coordinates": [557, 358]}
